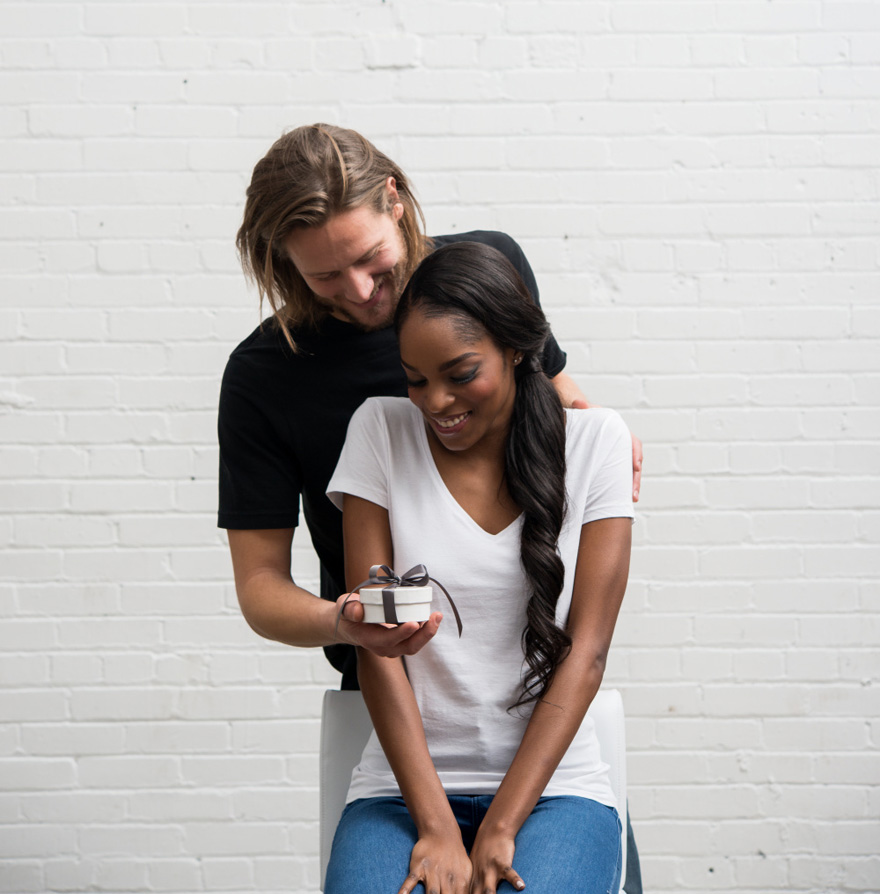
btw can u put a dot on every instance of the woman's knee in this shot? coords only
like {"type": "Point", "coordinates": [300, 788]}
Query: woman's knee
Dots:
{"type": "Point", "coordinates": [569, 844]}
{"type": "Point", "coordinates": [371, 847]}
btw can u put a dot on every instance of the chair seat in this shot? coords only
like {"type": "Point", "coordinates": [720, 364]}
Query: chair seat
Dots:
{"type": "Point", "coordinates": [346, 726]}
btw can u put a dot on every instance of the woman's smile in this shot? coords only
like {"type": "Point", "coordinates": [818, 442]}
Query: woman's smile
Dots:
{"type": "Point", "coordinates": [450, 425]}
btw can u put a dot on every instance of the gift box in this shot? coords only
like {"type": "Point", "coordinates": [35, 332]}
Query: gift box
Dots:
{"type": "Point", "coordinates": [396, 605]}
{"type": "Point", "coordinates": [395, 598]}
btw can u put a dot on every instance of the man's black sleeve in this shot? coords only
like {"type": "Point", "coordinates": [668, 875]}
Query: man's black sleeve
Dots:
{"type": "Point", "coordinates": [260, 480]}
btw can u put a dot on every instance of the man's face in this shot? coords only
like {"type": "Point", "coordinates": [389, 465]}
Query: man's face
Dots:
{"type": "Point", "coordinates": [355, 264]}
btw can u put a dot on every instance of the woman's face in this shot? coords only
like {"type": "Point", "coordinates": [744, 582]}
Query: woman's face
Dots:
{"type": "Point", "coordinates": [463, 384]}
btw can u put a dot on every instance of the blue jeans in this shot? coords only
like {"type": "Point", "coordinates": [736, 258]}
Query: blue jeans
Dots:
{"type": "Point", "coordinates": [567, 844]}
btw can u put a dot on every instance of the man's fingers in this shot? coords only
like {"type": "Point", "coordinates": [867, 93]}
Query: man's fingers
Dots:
{"type": "Point", "coordinates": [638, 459]}
{"type": "Point", "coordinates": [391, 642]}
{"type": "Point", "coordinates": [386, 641]}
{"type": "Point", "coordinates": [423, 635]}
{"type": "Point", "coordinates": [408, 642]}
{"type": "Point", "coordinates": [353, 610]}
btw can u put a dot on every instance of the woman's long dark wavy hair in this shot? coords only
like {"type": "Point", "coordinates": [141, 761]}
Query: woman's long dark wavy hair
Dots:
{"type": "Point", "coordinates": [478, 286]}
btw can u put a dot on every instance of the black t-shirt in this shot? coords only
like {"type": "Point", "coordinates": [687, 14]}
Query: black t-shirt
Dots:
{"type": "Point", "coordinates": [283, 418]}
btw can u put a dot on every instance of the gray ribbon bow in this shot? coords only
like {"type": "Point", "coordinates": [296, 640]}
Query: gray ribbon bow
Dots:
{"type": "Point", "coordinates": [417, 576]}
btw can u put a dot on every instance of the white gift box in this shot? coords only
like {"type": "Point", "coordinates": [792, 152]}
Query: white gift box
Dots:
{"type": "Point", "coordinates": [396, 605]}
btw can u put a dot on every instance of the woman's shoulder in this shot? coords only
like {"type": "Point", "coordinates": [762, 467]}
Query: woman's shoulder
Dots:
{"type": "Point", "coordinates": [386, 407]}
{"type": "Point", "coordinates": [595, 422]}
{"type": "Point", "coordinates": [385, 415]}
{"type": "Point", "coordinates": [599, 464]}
{"type": "Point", "coordinates": [595, 434]}
{"type": "Point", "coordinates": [394, 409]}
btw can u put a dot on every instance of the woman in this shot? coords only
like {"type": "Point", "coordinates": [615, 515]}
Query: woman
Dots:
{"type": "Point", "coordinates": [481, 773]}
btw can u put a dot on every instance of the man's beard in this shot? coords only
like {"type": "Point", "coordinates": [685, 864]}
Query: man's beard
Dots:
{"type": "Point", "coordinates": [394, 280]}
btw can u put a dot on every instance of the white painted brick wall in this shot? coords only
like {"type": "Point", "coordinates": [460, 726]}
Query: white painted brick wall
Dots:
{"type": "Point", "coordinates": [697, 186]}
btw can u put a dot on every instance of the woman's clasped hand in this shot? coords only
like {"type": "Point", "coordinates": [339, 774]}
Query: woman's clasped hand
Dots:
{"type": "Point", "coordinates": [441, 863]}
{"type": "Point", "coordinates": [492, 861]}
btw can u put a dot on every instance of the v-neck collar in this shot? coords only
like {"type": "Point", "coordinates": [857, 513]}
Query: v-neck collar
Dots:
{"type": "Point", "coordinates": [513, 527]}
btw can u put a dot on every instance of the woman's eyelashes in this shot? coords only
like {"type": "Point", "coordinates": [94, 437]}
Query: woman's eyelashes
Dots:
{"type": "Point", "coordinates": [456, 380]}
{"type": "Point", "coordinates": [467, 377]}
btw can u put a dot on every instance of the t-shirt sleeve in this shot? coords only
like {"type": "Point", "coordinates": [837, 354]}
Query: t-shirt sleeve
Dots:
{"type": "Point", "coordinates": [259, 480]}
{"type": "Point", "coordinates": [554, 358]}
{"type": "Point", "coordinates": [610, 492]}
{"type": "Point", "coordinates": [362, 470]}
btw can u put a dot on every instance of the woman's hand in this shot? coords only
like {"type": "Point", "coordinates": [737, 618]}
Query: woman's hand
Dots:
{"type": "Point", "coordinates": [441, 864]}
{"type": "Point", "coordinates": [492, 861]}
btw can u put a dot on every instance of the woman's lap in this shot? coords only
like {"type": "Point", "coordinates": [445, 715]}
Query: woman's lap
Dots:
{"type": "Point", "coordinates": [571, 845]}
{"type": "Point", "coordinates": [368, 847]}
{"type": "Point", "coordinates": [567, 844]}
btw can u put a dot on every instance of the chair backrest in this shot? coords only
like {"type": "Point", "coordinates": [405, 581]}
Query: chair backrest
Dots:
{"type": "Point", "coordinates": [346, 726]}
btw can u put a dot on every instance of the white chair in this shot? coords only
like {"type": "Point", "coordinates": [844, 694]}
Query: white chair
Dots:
{"type": "Point", "coordinates": [346, 726]}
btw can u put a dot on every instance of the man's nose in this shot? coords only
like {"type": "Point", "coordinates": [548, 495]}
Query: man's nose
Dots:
{"type": "Point", "coordinates": [359, 286]}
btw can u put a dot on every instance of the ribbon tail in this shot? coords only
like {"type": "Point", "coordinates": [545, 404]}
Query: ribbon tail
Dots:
{"type": "Point", "coordinates": [348, 596]}
{"type": "Point", "coordinates": [451, 603]}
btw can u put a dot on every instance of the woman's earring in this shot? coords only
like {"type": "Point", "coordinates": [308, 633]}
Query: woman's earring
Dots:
{"type": "Point", "coordinates": [517, 359]}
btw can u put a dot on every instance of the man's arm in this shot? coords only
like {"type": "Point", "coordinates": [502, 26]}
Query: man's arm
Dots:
{"type": "Point", "coordinates": [569, 393]}
{"type": "Point", "coordinates": [278, 609]}
{"type": "Point", "coordinates": [572, 396]}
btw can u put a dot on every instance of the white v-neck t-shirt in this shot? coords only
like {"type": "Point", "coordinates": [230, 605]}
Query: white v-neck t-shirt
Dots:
{"type": "Point", "coordinates": [465, 685]}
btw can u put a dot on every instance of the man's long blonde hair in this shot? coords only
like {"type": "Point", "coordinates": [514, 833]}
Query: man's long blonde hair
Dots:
{"type": "Point", "coordinates": [310, 174]}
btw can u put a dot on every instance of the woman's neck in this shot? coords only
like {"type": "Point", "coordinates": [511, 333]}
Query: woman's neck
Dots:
{"type": "Point", "coordinates": [475, 478]}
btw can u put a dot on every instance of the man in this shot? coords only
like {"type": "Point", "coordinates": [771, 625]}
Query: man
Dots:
{"type": "Point", "coordinates": [331, 233]}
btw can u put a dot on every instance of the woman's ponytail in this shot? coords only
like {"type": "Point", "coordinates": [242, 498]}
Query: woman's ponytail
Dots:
{"type": "Point", "coordinates": [535, 471]}
{"type": "Point", "coordinates": [478, 286]}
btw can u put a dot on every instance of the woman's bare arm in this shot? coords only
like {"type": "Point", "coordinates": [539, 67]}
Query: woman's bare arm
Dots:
{"type": "Point", "coordinates": [599, 585]}
{"type": "Point", "coordinates": [439, 859]}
